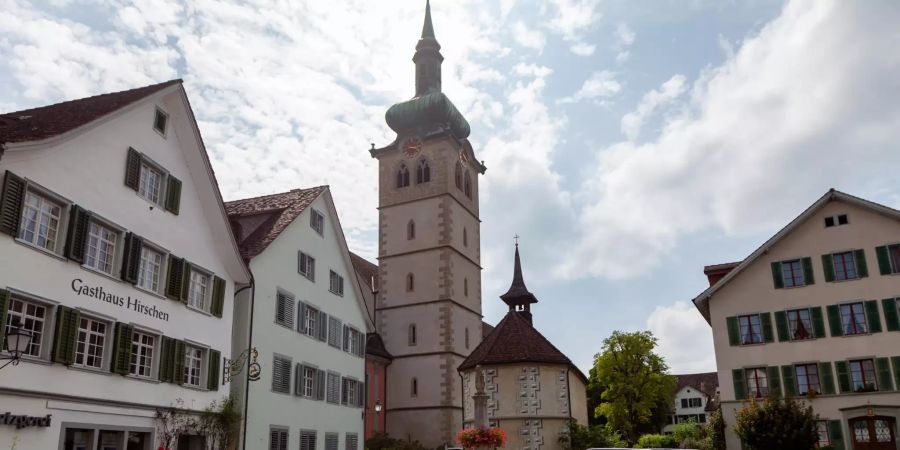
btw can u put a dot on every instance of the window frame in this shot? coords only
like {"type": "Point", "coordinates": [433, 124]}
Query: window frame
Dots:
{"type": "Point", "coordinates": [62, 222]}
{"type": "Point", "coordinates": [163, 268]}
{"type": "Point", "coordinates": [151, 165]}
{"type": "Point", "coordinates": [207, 295]}
{"type": "Point", "coordinates": [161, 112]}
{"type": "Point", "coordinates": [853, 316]}
{"type": "Point", "coordinates": [402, 176]}
{"type": "Point", "coordinates": [790, 264]}
{"type": "Point", "coordinates": [822, 432]}
{"type": "Point", "coordinates": [760, 391]}
{"type": "Point", "coordinates": [118, 246]}
{"type": "Point", "coordinates": [895, 264]}
{"type": "Point", "coordinates": [312, 313]}
{"type": "Point", "coordinates": [278, 431]}
{"type": "Point", "coordinates": [817, 386]}
{"type": "Point", "coordinates": [47, 328]}
{"type": "Point", "coordinates": [332, 276]}
{"type": "Point", "coordinates": [865, 381]}
{"type": "Point", "coordinates": [317, 221]}
{"type": "Point", "coordinates": [154, 356]}
{"type": "Point", "coordinates": [843, 258]}
{"type": "Point", "coordinates": [807, 322]}
{"type": "Point", "coordinates": [106, 348]}
{"type": "Point", "coordinates": [204, 359]}
{"type": "Point", "coordinates": [423, 171]}
{"type": "Point", "coordinates": [310, 273]}
{"type": "Point", "coordinates": [750, 328]}
{"type": "Point", "coordinates": [312, 381]}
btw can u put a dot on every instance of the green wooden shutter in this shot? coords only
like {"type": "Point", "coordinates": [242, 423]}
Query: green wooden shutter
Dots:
{"type": "Point", "coordinates": [873, 316]}
{"type": "Point", "coordinates": [788, 377]}
{"type": "Point", "coordinates": [173, 195]}
{"type": "Point", "coordinates": [885, 379]}
{"type": "Point", "coordinates": [4, 309]}
{"type": "Point", "coordinates": [218, 297]}
{"type": "Point", "coordinates": [131, 258]}
{"type": "Point", "coordinates": [774, 380]}
{"type": "Point", "coordinates": [826, 375]}
{"type": "Point", "coordinates": [781, 324]}
{"type": "Point", "coordinates": [133, 169]}
{"type": "Point", "coordinates": [777, 276]}
{"type": "Point", "coordinates": [65, 335]}
{"type": "Point", "coordinates": [895, 361]}
{"type": "Point", "coordinates": [817, 321]}
{"type": "Point", "coordinates": [734, 332]}
{"type": "Point", "coordinates": [740, 384]}
{"type": "Point", "coordinates": [891, 318]}
{"type": "Point", "coordinates": [834, 320]}
{"type": "Point", "coordinates": [828, 266]}
{"type": "Point", "coordinates": [212, 377]}
{"type": "Point", "coordinates": [167, 346]}
{"type": "Point", "coordinates": [11, 203]}
{"type": "Point", "coordinates": [185, 282]}
{"type": "Point", "coordinates": [77, 233]}
{"type": "Point", "coordinates": [178, 362]}
{"type": "Point", "coordinates": [843, 375]}
{"type": "Point", "coordinates": [884, 260]}
{"type": "Point", "coordinates": [862, 267]}
{"type": "Point", "coordinates": [766, 320]}
{"type": "Point", "coordinates": [122, 349]}
{"type": "Point", "coordinates": [809, 276]}
{"type": "Point", "coordinates": [836, 434]}
{"type": "Point", "coordinates": [175, 277]}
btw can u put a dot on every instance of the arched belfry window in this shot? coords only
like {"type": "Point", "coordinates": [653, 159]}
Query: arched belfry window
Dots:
{"type": "Point", "coordinates": [468, 185]}
{"type": "Point", "coordinates": [410, 282]}
{"type": "Point", "coordinates": [411, 230]}
{"type": "Point", "coordinates": [414, 387]}
{"type": "Point", "coordinates": [402, 176]}
{"type": "Point", "coordinates": [423, 172]}
{"type": "Point", "coordinates": [459, 175]}
{"type": "Point", "coordinates": [412, 334]}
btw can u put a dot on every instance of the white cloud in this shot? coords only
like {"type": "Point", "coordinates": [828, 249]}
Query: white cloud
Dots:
{"type": "Point", "coordinates": [650, 102]}
{"type": "Point", "coordinates": [685, 339]}
{"type": "Point", "coordinates": [582, 49]}
{"type": "Point", "coordinates": [574, 16]}
{"type": "Point", "coordinates": [808, 103]}
{"type": "Point", "coordinates": [600, 85]}
{"type": "Point", "coordinates": [623, 38]}
{"type": "Point", "coordinates": [532, 70]}
{"type": "Point", "coordinates": [529, 37]}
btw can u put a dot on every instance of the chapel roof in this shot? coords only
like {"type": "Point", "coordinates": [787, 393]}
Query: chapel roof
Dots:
{"type": "Point", "coordinates": [706, 382]}
{"type": "Point", "coordinates": [366, 270]}
{"type": "Point", "coordinates": [267, 216]}
{"type": "Point", "coordinates": [375, 346]}
{"type": "Point", "coordinates": [53, 120]}
{"type": "Point", "coordinates": [518, 293]}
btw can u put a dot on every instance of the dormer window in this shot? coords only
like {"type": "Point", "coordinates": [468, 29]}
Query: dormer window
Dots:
{"type": "Point", "coordinates": [160, 120]}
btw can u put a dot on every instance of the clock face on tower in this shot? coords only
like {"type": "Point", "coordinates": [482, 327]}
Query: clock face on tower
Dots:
{"type": "Point", "coordinates": [411, 146]}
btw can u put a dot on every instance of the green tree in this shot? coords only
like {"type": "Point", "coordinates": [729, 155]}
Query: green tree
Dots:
{"type": "Point", "coordinates": [594, 398]}
{"type": "Point", "coordinates": [581, 437]}
{"type": "Point", "coordinates": [716, 428]}
{"type": "Point", "coordinates": [636, 382]}
{"type": "Point", "coordinates": [776, 423]}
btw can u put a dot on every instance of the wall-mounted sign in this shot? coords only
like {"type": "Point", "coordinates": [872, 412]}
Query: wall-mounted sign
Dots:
{"type": "Point", "coordinates": [25, 421]}
{"type": "Point", "coordinates": [127, 302]}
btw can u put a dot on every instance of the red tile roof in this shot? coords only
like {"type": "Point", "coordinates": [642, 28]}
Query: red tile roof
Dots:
{"type": "Point", "coordinates": [366, 270]}
{"type": "Point", "coordinates": [707, 383]}
{"type": "Point", "coordinates": [266, 217]}
{"type": "Point", "coordinates": [53, 120]}
{"type": "Point", "coordinates": [515, 340]}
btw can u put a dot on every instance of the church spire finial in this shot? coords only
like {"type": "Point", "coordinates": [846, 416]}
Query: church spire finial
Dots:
{"type": "Point", "coordinates": [427, 27]}
{"type": "Point", "coordinates": [428, 58]}
{"type": "Point", "coordinates": [518, 297]}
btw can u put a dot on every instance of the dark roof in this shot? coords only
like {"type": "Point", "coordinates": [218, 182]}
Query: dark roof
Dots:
{"type": "Point", "coordinates": [518, 294]}
{"type": "Point", "coordinates": [366, 270]}
{"type": "Point", "coordinates": [486, 329]}
{"type": "Point", "coordinates": [720, 267]}
{"type": "Point", "coordinates": [266, 217]}
{"type": "Point", "coordinates": [375, 346]}
{"type": "Point", "coordinates": [53, 120]}
{"type": "Point", "coordinates": [515, 340]}
{"type": "Point", "coordinates": [707, 382]}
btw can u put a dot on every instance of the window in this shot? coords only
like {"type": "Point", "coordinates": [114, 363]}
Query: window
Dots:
{"type": "Point", "coordinates": [862, 374]}
{"type": "Point", "coordinates": [751, 330]}
{"type": "Point", "coordinates": [29, 316]}
{"type": "Point", "coordinates": [694, 402]}
{"type": "Point", "coordinates": [458, 175]}
{"type": "Point", "coordinates": [308, 377]}
{"type": "Point", "coordinates": [333, 394]}
{"type": "Point", "coordinates": [757, 385]}
{"type": "Point", "coordinates": [467, 338]}
{"type": "Point", "coordinates": [149, 269]}
{"type": "Point", "coordinates": [331, 441]}
{"type": "Point", "coordinates": [468, 185]}
{"type": "Point", "coordinates": [894, 254]}
{"type": "Point", "coordinates": [792, 273]}
{"type": "Point", "coordinates": [334, 332]}
{"type": "Point", "coordinates": [465, 237]}
{"type": "Point", "coordinates": [350, 392]}
{"type": "Point", "coordinates": [412, 334]}
{"type": "Point", "coordinates": [90, 344]}
{"type": "Point", "coordinates": [351, 441]}
{"type": "Point", "coordinates": [142, 346]}
{"type": "Point", "coordinates": [822, 433]}
{"type": "Point", "coordinates": [402, 176]}
{"type": "Point", "coordinates": [352, 340]}
{"type": "Point", "coordinates": [414, 387]}
{"type": "Point", "coordinates": [150, 183]}
{"type": "Point", "coordinates": [311, 321]}
{"type": "Point", "coordinates": [807, 379]}
{"type": "Point", "coordinates": [160, 119]}
{"type": "Point", "coordinates": [853, 318]}
{"type": "Point", "coordinates": [336, 283]}
{"type": "Point", "coordinates": [840, 219]}
{"type": "Point", "coordinates": [39, 224]}
{"type": "Point", "coordinates": [284, 309]}
{"type": "Point", "coordinates": [281, 375]}
{"type": "Point", "coordinates": [198, 290]}
{"type": "Point", "coordinates": [423, 172]}
{"type": "Point", "coordinates": [278, 439]}
{"type": "Point", "coordinates": [307, 266]}
{"type": "Point", "coordinates": [410, 230]}
{"type": "Point", "coordinates": [193, 365]}
{"type": "Point", "coordinates": [466, 287]}
{"type": "Point", "coordinates": [800, 324]}
{"type": "Point", "coordinates": [307, 440]}
{"type": "Point", "coordinates": [317, 221]}
{"type": "Point", "coordinates": [844, 266]}
{"type": "Point", "coordinates": [101, 248]}
{"type": "Point", "coordinates": [410, 282]}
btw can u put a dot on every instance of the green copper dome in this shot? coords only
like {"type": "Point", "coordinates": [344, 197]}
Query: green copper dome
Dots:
{"type": "Point", "coordinates": [427, 113]}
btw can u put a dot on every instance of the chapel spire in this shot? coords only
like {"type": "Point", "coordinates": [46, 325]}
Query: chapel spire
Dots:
{"type": "Point", "coordinates": [518, 297]}
{"type": "Point", "coordinates": [428, 58]}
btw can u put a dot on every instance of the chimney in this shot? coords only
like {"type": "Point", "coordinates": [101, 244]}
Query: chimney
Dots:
{"type": "Point", "coordinates": [716, 272]}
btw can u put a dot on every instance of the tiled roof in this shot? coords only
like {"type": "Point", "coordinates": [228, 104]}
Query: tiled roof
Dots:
{"type": "Point", "coordinates": [515, 340]}
{"type": "Point", "coordinates": [375, 346]}
{"type": "Point", "coordinates": [366, 270]}
{"type": "Point", "coordinates": [258, 221]}
{"type": "Point", "coordinates": [53, 120]}
{"type": "Point", "coordinates": [706, 383]}
{"type": "Point", "coordinates": [486, 329]}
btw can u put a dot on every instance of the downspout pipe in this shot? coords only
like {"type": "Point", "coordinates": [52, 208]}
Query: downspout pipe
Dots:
{"type": "Point", "coordinates": [252, 287]}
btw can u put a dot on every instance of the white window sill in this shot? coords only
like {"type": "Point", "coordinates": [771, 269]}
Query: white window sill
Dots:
{"type": "Point", "coordinates": [98, 371]}
{"type": "Point", "coordinates": [101, 273]}
{"type": "Point", "coordinates": [144, 379]}
{"type": "Point", "coordinates": [41, 249]}
{"type": "Point", "coordinates": [196, 309]}
{"type": "Point", "coordinates": [194, 387]}
{"type": "Point", "coordinates": [284, 325]}
{"type": "Point", "coordinates": [150, 292]}
{"type": "Point", "coordinates": [152, 204]}
{"type": "Point", "coordinates": [31, 359]}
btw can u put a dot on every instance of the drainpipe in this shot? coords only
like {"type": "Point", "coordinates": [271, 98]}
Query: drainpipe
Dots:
{"type": "Point", "coordinates": [252, 287]}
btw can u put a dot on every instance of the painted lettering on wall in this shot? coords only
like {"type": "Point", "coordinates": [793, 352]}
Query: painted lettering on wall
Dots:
{"type": "Point", "coordinates": [128, 302]}
{"type": "Point", "coordinates": [25, 421]}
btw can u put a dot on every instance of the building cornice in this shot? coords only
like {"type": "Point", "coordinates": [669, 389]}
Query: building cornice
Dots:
{"type": "Point", "coordinates": [432, 248]}
{"type": "Point", "coordinates": [430, 302]}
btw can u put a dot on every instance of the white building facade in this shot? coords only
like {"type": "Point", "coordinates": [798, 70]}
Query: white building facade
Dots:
{"type": "Point", "coordinates": [118, 258]}
{"type": "Point", "coordinates": [695, 399]}
{"type": "Point", "coordinates": [309, 324]}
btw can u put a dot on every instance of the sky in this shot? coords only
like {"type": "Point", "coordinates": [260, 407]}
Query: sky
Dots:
{"type": "Point", "coordinates": [628, 142]}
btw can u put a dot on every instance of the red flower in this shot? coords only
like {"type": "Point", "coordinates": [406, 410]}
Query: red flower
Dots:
{"type": "Point", "coordinates": [482, 437]}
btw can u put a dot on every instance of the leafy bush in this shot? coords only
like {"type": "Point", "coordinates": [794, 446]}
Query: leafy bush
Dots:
{"type": "Point", "coordinates": [686, 430]}
{"type": "Point", "coordinates": [383, 441]}
{"type": "Point", "coordinates": [716, 431]}
{"type": "Point", "coordinates": [657, 441]}
{"type": "Point", "coordinates": [776, 423]}
{"type": "Point", "coordinates": [581, 437]}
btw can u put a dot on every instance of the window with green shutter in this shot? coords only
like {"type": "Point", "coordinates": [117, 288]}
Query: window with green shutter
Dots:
{"type": "Point", "coordinates": [11, 203]}
{"type": "Point", "coordinates": [4, 309]}
{"type": "Point", "coordinates": [173, 195]}
{"type": "Point", "coordinates": [734, 333]}
{"type": "Point", "coordinates": [872, 316]}
{"type": "Point", "coordinates": [826, 376]}
{"type": "Point", "coordinates": [218, 297]}
{"type": "Point", "coordinates": [843, 376]}
{"type": "Point", "coordinates": [828, 267]}
{"type": "Point", "coordinates": [885, 378]}
{"type": "Point", "coordinates": [175, 279]}
{"type": "Point", "coordinates": [768, 334]}
{"type": "Point", "coordinates": [167, 360]}
{"type": "Point", "coordinates": [862, 267]}
{"type": "Point", "coordinates": [790, 385]}
{"type": "Point", "coordinates": [809, 276]}
{"type": "Point", "coordinates": [133, 169]}
{"type": "Point", "coordinates": [122, 348]}
{"type": "Point", "coordinates": [792, 273]}
{"type": "Point", "coordinates": [65, 335]}
{"type": "Point", "coordinates": [818, 322]}
{"type": "Point", "coordinates": [213, 370]}
{"type": "Point", "coordinates": [777, 279]}
{"type": "Point", "coordinates": [836, 434]}
{"type": "Point", "coordinates": [740, 384]}
{"type": "Point", "coordinates": [774, 380]}
{"type": "Point", "coordinates": [834, 320]}
{"type": "Point", "coordinates": [888, 259]}
{"type": "Point", "coordinates": [76, 239]}
{"type": "Point", "coordinates": [131, 258]}
{"type": "Point", "coordinates": [895, 362]}
{"type": "Point", "coordinates": [891, 307]}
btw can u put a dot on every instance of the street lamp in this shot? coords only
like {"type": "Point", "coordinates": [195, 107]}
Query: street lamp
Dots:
{"type": "Point", "coordinates": [377, 413]}
{"type": "Point", "coordinates": [18, 340]}
{"type": "Point", "coordinates": [378, 406]}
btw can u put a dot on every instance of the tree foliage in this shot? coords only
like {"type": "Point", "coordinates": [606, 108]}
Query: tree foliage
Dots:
{"type": "Point", "coordinates": [581, 437]}
{"type": "Point", "coordinates": [776, 423]}
{"type": "Point", "coordinates": [636, 382]}
{"type": "Point", "coordinates": [383, 441]}
{"type": "Point", "coordinates": [657, 441]}
{"type": "Point", "coordinates": [594, 398]}
{"type": "Point", "coordinates": [716, 429]}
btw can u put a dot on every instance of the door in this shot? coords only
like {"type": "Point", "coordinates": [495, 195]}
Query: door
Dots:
{"type": "Point", "coordinates": [874, 433]}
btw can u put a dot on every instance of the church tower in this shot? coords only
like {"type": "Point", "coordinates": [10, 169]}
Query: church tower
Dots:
{"type": "Point", "coordinates": [428, 307]}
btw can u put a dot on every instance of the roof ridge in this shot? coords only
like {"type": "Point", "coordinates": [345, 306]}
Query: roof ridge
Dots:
{"type": "Point", "coordinates": [322, 186]}
{"type": "Point", "coordinates": [90, 97]}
